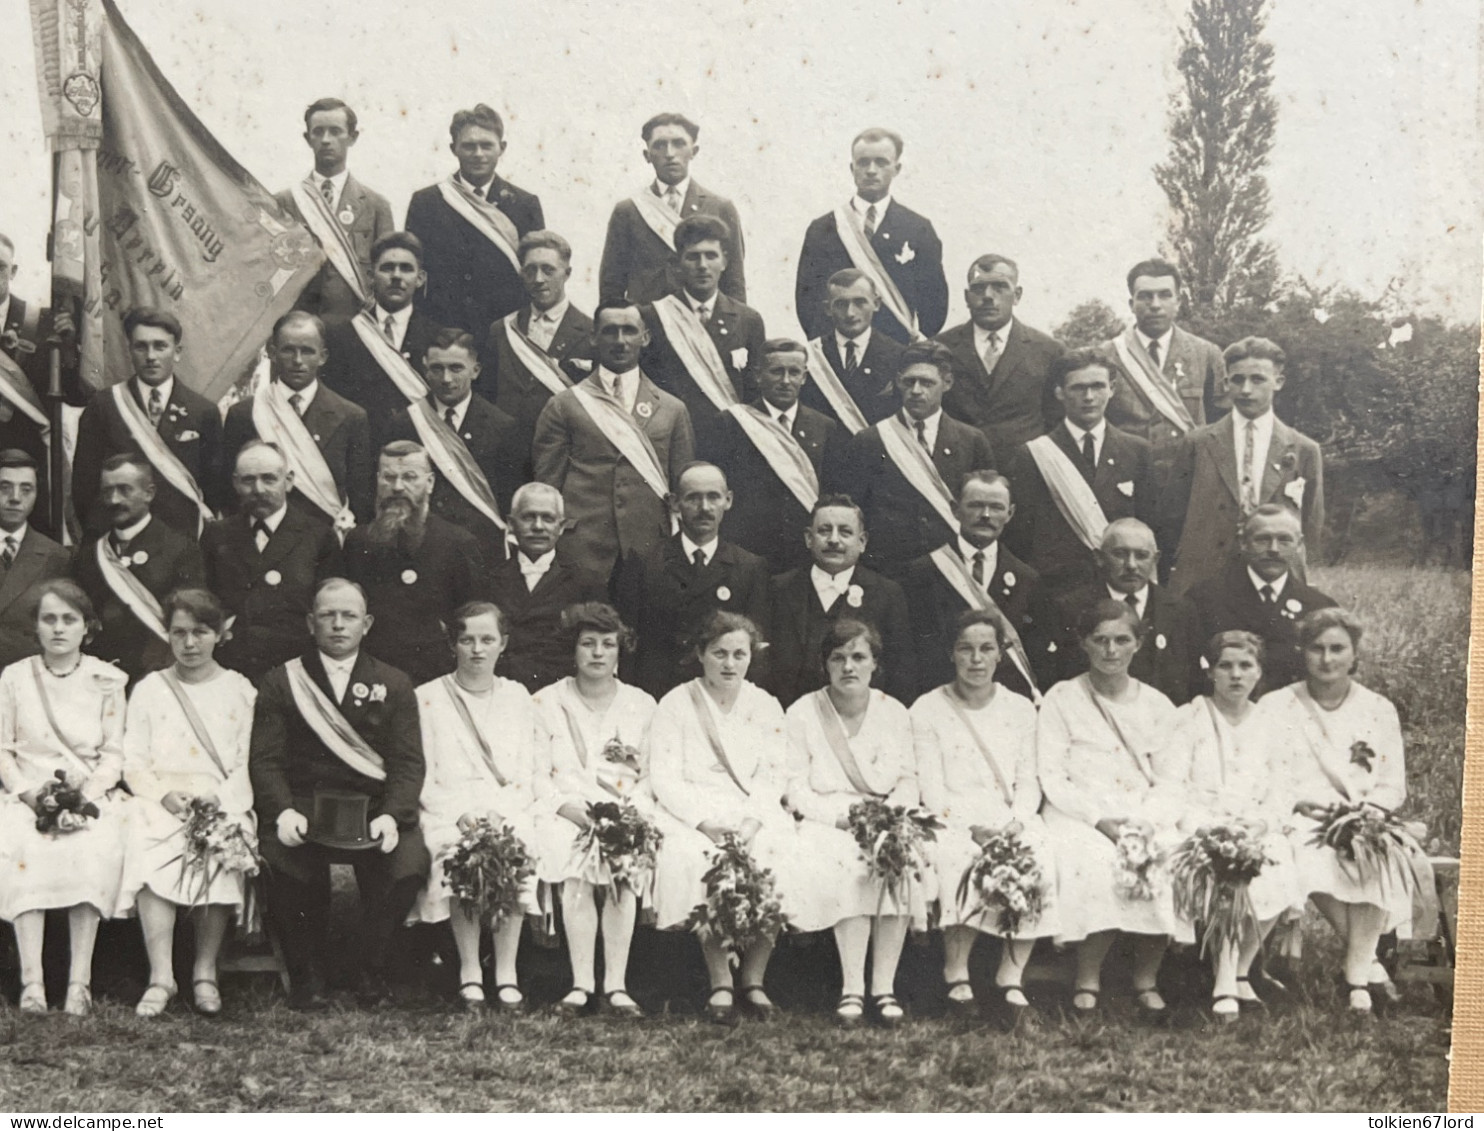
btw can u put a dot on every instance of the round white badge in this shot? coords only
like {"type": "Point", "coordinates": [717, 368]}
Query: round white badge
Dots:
{"type": "Point", "coordinates": [644, 409]}
{"type": "Point", "coordinates": [139, 557]}
{"type": "Point", "coordinates": [1009, 579]}
{"type": "Point", "coordinates": [854, 595]}
{"type": "Point", "coordinates": [272, 577]}
{"type": "Point", "coordinates": [409, 577]}
{"type": "Point", "coordinates": [360, 690]}
{"type": "Point", "coordinates": [1293, 606]}
{"type": "Point", "coordinates": [723, 593]}
{"type": "Point", "coordinates": [347, 216]}
{"type": "Point", "coordinates": [1159, 641]}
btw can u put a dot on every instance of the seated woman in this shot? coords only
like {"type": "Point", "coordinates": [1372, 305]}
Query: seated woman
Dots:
{"type": "Point", "coordinates": [60, 712]}
{"type": "Point", "coordinates": [976, 765]}
{"type": "Point", "coordinates": [186, 739]}
{"type": "Point", "coordinates": [1342, 744]}
{"type": "Point", "coordinates": [716, 765]}
{"type": "Point", "coordinates": [592, 727]}
{"type": "Point", "coordinates": [479, 740]}
{"type": "Point", "coordinates": [1236, 777]}
{"type": "Point", "coordinates": [847, 743]}
{"type": "Point", "coordinates": [1097, 742]}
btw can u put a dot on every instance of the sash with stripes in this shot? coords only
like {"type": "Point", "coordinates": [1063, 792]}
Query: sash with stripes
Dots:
{"type": "Point", "coordinates": [839, 742]}
{"type": "Point", "coordinates": [147, 437]}
{"type": "Point", "coordinates": [16, 388]}
{"type": "Point", "coordinates": [540, 364]}
{"type": "Point", "coordinates": [697, 352]}
{"type": "Point", "coordinates": [68, 748]}
{"type": "Point", "coordinates": [863, 256]}
{"type": "Point", "coordinates": [330, 233]}
{"type": "Point", "coordinates": [917, 467]}
{"type": "Point", "coordinates": [824, 375]}
{"type": "Point", "coordinates": [1150, 382]}
{"type": "Point", "coordinates": [325, 719]}
{"type": "Point", "coordinates": [130, 590]}
{"type": "Point", "coordinates": [1141, 759]}
{"type": "Point", "coordinates": [713, 736]}
{"type": "Point", "coordinates": [450, 686]}
{"type": "Point", "coordinates": [277, 421]}
{"type": "Point", "coordinates": [956, 573]}
{"type": "Point", "coordinates": [622, 431]}
{"type": "Point", "coordinates": [988, 755]}
{"type": "Point", "coordinates": [656, 213]}
{"type": "Point", "coordinates": [193, 717]}
{"type": "Point", "coordinates": [1070, 491]}
{"type": "Point", "coordinates": [783, 452]}
{"type": "Point", "coordinates": [488, 220]}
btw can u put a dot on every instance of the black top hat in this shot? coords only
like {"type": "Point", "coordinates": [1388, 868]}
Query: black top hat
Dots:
{"type": "Point", "coordinates": [340, 819]}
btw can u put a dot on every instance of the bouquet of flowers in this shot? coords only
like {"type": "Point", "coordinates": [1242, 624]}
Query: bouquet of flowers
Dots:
{"type": "Point", "coordinates": [1211, 872]}
{"type": "Point", "coordinates": [61, 808]}
{"type": "Point", "coordinates": [1137, 864]}
{"type": "Point", "coordinates": [1006, 881]}
{"type": "Point", "coordinates": [487, 868]}
{"type": "Point", "coordinates": [890, 838]}
{"type": "Point", "coordinates": [619, 764]}
{"type": "Point", "coordinates": [1371, 842]}
{"type": "Point", "coordinates": [215, 843]}
{"type": "Point", "coordinates": [618, 847]}
{"type": "Point", "coordinates": [741, 905]}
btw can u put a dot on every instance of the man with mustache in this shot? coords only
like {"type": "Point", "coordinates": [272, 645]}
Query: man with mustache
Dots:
{"type": "Point", "coordinates": [415, 568]}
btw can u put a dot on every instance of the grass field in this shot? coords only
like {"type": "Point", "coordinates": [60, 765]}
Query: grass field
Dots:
{"type": "Point", "coordinates": [1303, 1054]}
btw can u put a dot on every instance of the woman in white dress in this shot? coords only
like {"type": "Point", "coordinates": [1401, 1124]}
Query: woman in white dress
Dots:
{"type": "Point", "coordinates": [976, 766]}
{"type": "Point", "coordinates": [848, 742]}
{"type": "Point", "coordinates": [186, 738]}
{"type": "Point", "coordinates": [593, 728]}
{"type": "Point", "coordinates": [1099, 752]}
{"type": "Point", "coordinates": [1237, 776]}
{"type": "Point", "coordinates": [1343, 746]}
{"type": "Point", "coordinates": [716, 765]}
{"type": "Point", "coordinates": [479, 741]}
{"type": "Point", "coordinates": [61, 711]}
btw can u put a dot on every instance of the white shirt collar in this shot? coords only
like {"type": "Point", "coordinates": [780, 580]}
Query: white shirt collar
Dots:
{"type": "Point", "coordinates": [930, 427]}
{"type": "Point", "coordinates": [338, 180]}
{"type": "Point", "coordinates": [1257, 582]}
{"type": "Point", "coordinates": [537, 566]}
{"type": "Point", "coordinates": [789, 414]}
{"type": "Point", "coordinates": [19, 534]}
{"type": "Point", "coordinates": [1099, 432]}
{"type": "Point", "coordinates": [400, 319]}
{"type": "Point", "coordinates": [830, 584]}
{"type": "Point", "coordinates": [306, 394]}
{"type": "Point", "coordinates": [4, 309]}
{"type": "Point", "coordinates": [862, 343]}
{"type": "Point", "coordinates": [1264, 423]}
{"type": "Point", "coordinates": [660, 189]}
{"type": "Point", "coordinates": [129, 533]}
{"type": "Point", "coordinates": [695, 304]}
{"type": "Point", "coordinates": [484, 189]}
{"type": "Point", "coordinates": [991, 555]}
{"type": "Point", "coordinates": [1164, 341]}
{"type": "Point", "coordinates": [860, 205]}
{"type": "Point", "coordinates": [334, 665]}
{"type": "Point", "coordinates": [981, 336]}
{"type": "Point", "coordinates": [273, 521]}
{"type": "Point", "coordinates": [626, 385]}
{"type": "Point", "coordinates": [1139, 595]}
{"type": "Point", "coordinates": [166, 387]}
{"type": "Point", "coordinates": [690, 548]}
{"type": "Point", "coordinates": [460, 410]}
{"type": "Point", "coordinates": [555, 314]}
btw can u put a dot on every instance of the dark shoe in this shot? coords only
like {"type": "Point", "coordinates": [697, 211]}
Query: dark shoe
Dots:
{"type": "Point", "coordinates": [504, 1004]}
{"type": "Point", "coordinates": [889, 1011]}
{"type": "Point", "coordinates": [372, 991]}
{"type": "Point", "coordinates": [471, 997]}
{"type": "Point", "coordinates": [850, 1011]}
{"type": "Point", "coordinates": [620, 1004]}
{"type": "Point", "coordinates": [1010, 1007]}
{"type": "Point", "coordinates": [1226, 1009]}
{"type": "Point", "coordinates": [961, 1007]}
{"type": "Point", "coordinates": [756, 1002]}
{"type": "Point", "coordinates": [1151, 1007]}
{"type": "Point", "coordinates": [1085, 1002]}
{"type": "Point", "coordinates": [572, 1005]}
{"type": "Point", "coordinates": [722, 1013]}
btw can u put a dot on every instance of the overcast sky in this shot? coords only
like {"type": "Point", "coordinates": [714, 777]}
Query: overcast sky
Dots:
{"type": "Point", "coordinates": [1031, 125]}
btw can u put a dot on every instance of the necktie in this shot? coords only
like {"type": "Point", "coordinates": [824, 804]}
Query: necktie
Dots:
{"type": "Point", "coordinates": [7, 556]}
{"type": "Point", "coordinates": [1269, 598]}
{"type": "Point", "coordinates": [870, 221]}
{"type": "Point", "coordinates": [1132, 602]}
{"type": "Point", "coordinates": [978, 571]}
{"type": "Point", "coordinates": [672, 199]}
{"type": "Point", "coordinates": [120, 545]}
{"type": "Point", "coordinates": [991, 353]}
{"type": "Point", "coordinates": [388, 330]}
{"type": "Point", "coordinates": [296, 402]}
{"type": "Point", "coordinates": [1249, 469]}
{"type": "Point", "coordinates": [703, 312]}
{"type": "Point", "coordinates": [261, 534]}
{"type": "Point", "coordinates": [1089, 451]}
{"type": "Point", "coordinates": [449, 417]}
{"type": "Point", "coordinates": [783, 422]}
{"type": "Point", "coordinates": [156, 407]}
{"type": "Point", "coordinates": [1154, 354]}
{"type": "Point", "coordinates": [327, 190]}
{"type": "Point", "coordinates": [921, 427]}
{"type": "Point", "coordinates": [699, 557]}
{"type": "Point", "coordinates": [851, 360]}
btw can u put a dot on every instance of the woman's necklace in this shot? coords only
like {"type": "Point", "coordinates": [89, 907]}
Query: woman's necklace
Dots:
{"type": "Point", "coordinates": [482, 693]}
{"type": "Point", "coordinates": [63, 675]}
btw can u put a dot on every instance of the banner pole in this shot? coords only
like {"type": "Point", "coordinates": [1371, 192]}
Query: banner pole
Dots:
{"type": "Point", "coordinates": [56, 449]}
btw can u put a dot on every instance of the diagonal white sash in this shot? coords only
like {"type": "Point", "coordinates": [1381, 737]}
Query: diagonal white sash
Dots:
{"type": "Point", "coordinates": [490, 222]}
{"type": "Point", "coordinates": [16, 388]}
{"type": "Point", "coordinates": [486, 756]}
{"type": "Point", "coordinates": [325, 719]}
{"type": "Point", "coordinates": [783, 452]}
{"type": "Point", "coordinates": [957, 574]}
{"type": "Point", "coordinates": [623, 432]}
{"type": "Point", "coordinates": [917, 467]}
{"type": "Point", "coordinates": [327, 229]}
{"type": "Point", "coordinates": [656, 213]}
{"type": "Point", "coordinates": [1001, 778]}
{"type": "Point", "coordinates": [130, 590]}
{"type": "Point", "coordinates": [834, 390]}
{"type": "Point", "coordinates": [540, 364]}
{"type": "Point", "coordinates": [697, 352]}
{"type": "Point", "coordinates": [147, 437]}
{"type": "Point", "coordinates": [279, 422]}
{"type": "Point", "coordinates": [833, 729]}
{"type": "Point", "coordinates": [1150, 383]}
{"type": "Point", "coordinates": [864, 257]}
{"type": "Point", "coordinates": [1070, 491]}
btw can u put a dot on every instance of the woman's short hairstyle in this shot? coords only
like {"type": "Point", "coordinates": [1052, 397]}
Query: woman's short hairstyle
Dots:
{"type": "Point", "coordinates": [595, 616]}
{"type": "Point", "coordinates": [1248, 642]}
{"type": "Point", "coordinates": [842, 632]}
{"type": "Point", "coordinates": [1104, 610]}
{"type": "Point", "coordinates": [1313, 625]}
{"type": "Point", "coordinates": [980, 616]}
{"type": "Point", "coordinates": [71, 594]}
{"type": "Point", "coordinates": [199, 604]}
{"type": "Point", "coordinates": [471, 609]}
{"type": "Point", "coordinates": [721, 622]}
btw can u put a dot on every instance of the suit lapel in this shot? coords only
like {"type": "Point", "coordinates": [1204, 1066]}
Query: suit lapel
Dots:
{"type": "Point", "coordinates": [1010, 355]}
{"type": "Point", "coordinates": [647, 395]}
{"type": "Point", "coordinates": [566, 333]}
{"type": "Point", "coordinates": [1062, 438]}
{"type": "Point", "coordinates": [1222, 443]}
{"type": "Point", "coordinates": [695, 195]}
{"type": "Point", "coordinates": [280, 542]}
{"type": "Point", "coordinates": [1279, 447]}
{"type": "Point", "coordinates": [25, 569]}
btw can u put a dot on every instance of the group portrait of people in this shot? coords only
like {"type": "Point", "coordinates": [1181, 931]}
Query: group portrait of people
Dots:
{"type": "Point", "coordinates": [468, 539]}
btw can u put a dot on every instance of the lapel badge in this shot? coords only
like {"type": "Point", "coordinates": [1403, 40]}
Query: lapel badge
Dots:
{"type": "Point", "coordinates": [854, 596]}
{"type": "Point", "coordinates": [360, 691]}
{"type": "Point", "coordinates": [316, 437]}
{"type": "Point", "coordinates": [346, 216]}
{"type": "Point", "coordinates": [272, 577]}
{"type": "Point", "coordinates": [138, 557]}
{"type": "Point", "coordinates": [468, 435]}
{"type": "Point", "coordinates": [409, 577]}
{"type": "Point", "coordinates": [723, 593]}
{"type": "Point", "coordinates": [1160, 642]}
{"type": "Point", "coordinates": [1008, 580]}
{"type": "Point", "coordinates": [644, 409]}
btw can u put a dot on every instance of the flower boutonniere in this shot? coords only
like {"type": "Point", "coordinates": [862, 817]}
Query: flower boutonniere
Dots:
{"type": "Point", "coordinates": [1294, 491]}
{"type": "Point", "coordinates": [506, 196]}
{"type": "Point", "coordinates": [1126, 488]}
{"type": "Point", "coordinates": [378, 693]}
{"type": "Point", "coordinates": [854, 596]}
{"type": "Point", "coordinates": [1292, 608]}
{"type": "Point", "coordinates": [907, 254]}
{"type": "Point", "coordinates": [1180, 370]}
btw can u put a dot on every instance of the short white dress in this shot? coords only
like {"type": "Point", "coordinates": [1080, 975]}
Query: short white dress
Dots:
{"type": "Point", "coordinates": [978, 767]}
{"type": "Point", "coordinates": [86, 741]}
{"type": "Point", "coordinates": [821, 790]}
{"type": "Point", "coordinates": [162, 754]}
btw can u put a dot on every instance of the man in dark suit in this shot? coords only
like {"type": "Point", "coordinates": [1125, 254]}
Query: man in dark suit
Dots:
{"type": "Point", "coordinates": [560, 335]}
{"type": "Point", "coordinates": [472, 278]}
{"type": "Point", "coordinates": [984, 508]}
{"type": "Point", "coordinates": [807, 600]}
{"type": "Point", "coordinates": [904, 524]}
{"type": "Point", "coordinates": [905, 245]}
{"type": "Point", "coordinates": [1084, 447]}
{"type": "Point", "coordinates": [865, 362]}
{"type": "Point", "coordinates": [186, 423]}
{"type": "Point", "coordinates": [396, 276]}
{"type": "Point", "coordinates": [639, 252]}
{"type": "Point", "coordinates": [338, 429]}
{"type": "Point", "coordinates": [999, 363]}
{"type": "Point", "coordinates": [1262, 594]}
{"type": "Point", "coordinates": [330, 129]}
{"type": "Point", "coordinates": [27, 556]}
{"type": "Point", "coordinates": [533, 588]}
{"type": "Point", "coordinates": [668, 592]}
{"type": "Point", "coordinates": [265, 563]}
{"type": "Point", "coordinates": [735, 329]}
{"type": "Point", "coordinates": [290, 763]}
{"type": "Point", "coordinates": [158, 558]}
{"type": "Point", "coordinates": [766, 514]}
{"type": "Point", "coordinates": [416, 569]}
{"type": "Point", "coordinates": [1172, 645]}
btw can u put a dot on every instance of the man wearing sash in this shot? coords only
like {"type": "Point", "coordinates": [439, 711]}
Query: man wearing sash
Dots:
{"type": "Point", "coordinates": [543, 347]}
{"type": "Point", "coordinates": [1168, 659]}
{"type": "Point", "coordinates": [326, 438]}
{"type": "Point", "coordinates": [639, 252]}
{"type": "Point", "coordinates": [612, 445]}
{"type": "Point", "coordinates": [807, 600]}
{"type": "Point", "coordinates": [156, 415]}
{"type": "Point", "coordinates": [27, 556]}
{"type": "Point", "coordinates": [1262, 592]}
{"type": "Point", "coordinates": [864, 362]}
{"type": "Point", "coordinates": [668, 592]}
{"type": "Point", "coordinates": [780, 468]}
{"type": "Point", "coordinates": [337, 719]}
{"type": "Point", "coordinates": [128, 568]}
{"type": "Point", "coordinates": [999, 363]}
{"type": "Point", "coordinates": [906, 470]}
{"type": "Point", "coordinates": [330, 129]}
{"type": "Point", "coordinates": [703, 344]}
{"type": "Point", "coordinates": [471, 225]}
{"type": "Point", "coordinates": [872, 232]}
{"type": "Point", "coordinates": [1073, 481]}
{"type": "Point", "coordinates": [264, 563]}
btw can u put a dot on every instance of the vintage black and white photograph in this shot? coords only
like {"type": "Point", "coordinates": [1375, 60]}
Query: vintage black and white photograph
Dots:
{"type": "Point", "coordinates": [732, 557]}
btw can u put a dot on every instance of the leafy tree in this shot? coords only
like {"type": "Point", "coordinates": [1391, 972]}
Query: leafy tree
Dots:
{"type": "Point", "coordinates": [1088, 324]}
